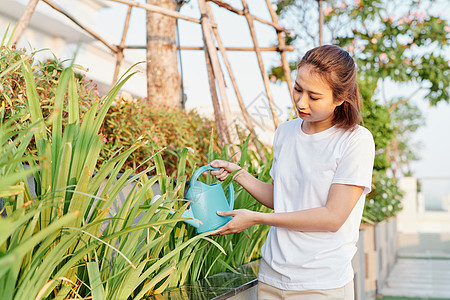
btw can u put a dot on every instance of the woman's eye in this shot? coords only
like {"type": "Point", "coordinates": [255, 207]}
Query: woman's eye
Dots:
{"type": "Point", "coordinates": [314, 98]}
{"type": "Point", "coordinates": [298, 90]}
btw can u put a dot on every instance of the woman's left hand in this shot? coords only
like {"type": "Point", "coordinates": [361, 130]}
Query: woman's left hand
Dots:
{"type": "Point", "coordinates": [242, 219]}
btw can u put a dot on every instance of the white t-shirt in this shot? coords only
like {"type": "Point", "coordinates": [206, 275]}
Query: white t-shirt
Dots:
{"type": "Point", "coordinates": [304, 167]}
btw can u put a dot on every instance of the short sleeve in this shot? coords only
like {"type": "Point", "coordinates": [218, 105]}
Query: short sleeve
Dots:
{"type": "Point", "coordinates": [356, 163]}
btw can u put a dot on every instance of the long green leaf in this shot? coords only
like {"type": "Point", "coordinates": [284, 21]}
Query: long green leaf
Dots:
{"type": "Point", "coordinates": [181, 171]}
{"type": "Point", "coordinates": [57, 123]}
{"type": "Point", "coordinates": [61, 180]}
{"type": "Point", "coordinates": [95, 280]}
{"type": "Point", "coordinates": [11, 224]}
{"type": "Point", "coordinates": [160, 276]}
{"type": "Point", "coordinates": [33, 101]}
{"type": "Point", "coordinates": [74, 111]}
{"type": "Point", "coordinates": [24, 247]}
{"type": "Point", "coordinates": [110, 246]}
{"type": "Point", "coordinates": [107, 103]}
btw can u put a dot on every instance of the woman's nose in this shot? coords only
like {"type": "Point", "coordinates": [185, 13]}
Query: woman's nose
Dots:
{"type": "Point", "coordinates": [300, 101]}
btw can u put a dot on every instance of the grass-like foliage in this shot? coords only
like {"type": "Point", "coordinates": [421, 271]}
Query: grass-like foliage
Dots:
{"type": "Point", "coordinates": [61, 238]}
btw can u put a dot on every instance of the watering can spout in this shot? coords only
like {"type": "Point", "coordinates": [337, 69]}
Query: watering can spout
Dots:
{"type": "Point", "coordinates": [188, 214]}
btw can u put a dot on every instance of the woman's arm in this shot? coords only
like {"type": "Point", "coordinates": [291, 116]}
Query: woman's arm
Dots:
{"type": "Point", "coordinates": [261, 191]}
{"type": "Point", "coordinates": [341, 200]}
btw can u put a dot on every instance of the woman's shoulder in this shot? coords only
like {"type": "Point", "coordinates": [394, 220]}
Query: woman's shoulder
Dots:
{"type": "Point", "coordinates": [286, 129]}
{"type": "Point", "coordinates": [294, 123]}
{"type": "Point", "coordinates": [359, 133]}
{"type": "Point", "coordinates": [362, 131]}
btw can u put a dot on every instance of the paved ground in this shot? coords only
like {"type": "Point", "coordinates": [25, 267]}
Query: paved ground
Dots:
{"type": "Point", "coordinates": [422, 270]}
{"type": "Point", "coordinates": [419, 277]}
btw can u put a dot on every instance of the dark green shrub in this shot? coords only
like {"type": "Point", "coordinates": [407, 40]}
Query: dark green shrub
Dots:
{"type": "Point", "coordinates": [164, 127]}
{"type": "Point", "coordinates": [46, 74]}
{"type": "Point", "coordinates": [384, 200]}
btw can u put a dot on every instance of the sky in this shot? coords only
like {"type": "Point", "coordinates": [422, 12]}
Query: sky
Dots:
{"type": "Point", "coordinates": [434, 135]}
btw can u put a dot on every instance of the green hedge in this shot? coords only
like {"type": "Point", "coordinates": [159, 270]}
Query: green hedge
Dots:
{"type": "Point", "coordinates": [165, 128]}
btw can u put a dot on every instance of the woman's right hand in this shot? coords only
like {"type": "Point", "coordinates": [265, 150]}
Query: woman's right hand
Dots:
{"type": "Point", "coordinates": [226, 168]}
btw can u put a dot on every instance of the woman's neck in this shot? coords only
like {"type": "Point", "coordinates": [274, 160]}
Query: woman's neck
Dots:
{"type": "Point", "coordinates": [316, 127]}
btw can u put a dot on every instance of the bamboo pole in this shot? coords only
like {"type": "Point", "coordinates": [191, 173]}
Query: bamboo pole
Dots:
{"type": "Point", "coordinates": [159, 10]}
{"type": "Point", "coordinates": [288, 48]}
{"type": "Point", "coordinates": [284, 61]}
{"type": "Point", "coordinates": [320, 22]}
{"type": "Point", "coordinates": [218, 74]}
{"type": "Point", "coordinates": [23, 22]}
{"type": "Point", "coordinates": [242, 13]}
{"type": "Point", "coordinates": [227, 63]}
{"type": "Point", "coordinates": [122, 44]}
{"type": "Point", "coordinates": [221, 132]}
{"type": "Point", "coordinates": [92, 33]}
{"type": "Point", "coordinates": [223, 52]}
{"type": "Point", "coordinates": [264, 74]}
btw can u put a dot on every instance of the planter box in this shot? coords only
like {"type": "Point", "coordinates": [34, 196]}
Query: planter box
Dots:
{"type": "Point", "coordinates": [359, 268]}
{"type": "Point", "coordinates": [392, 243]}
{"type": "Point", "coordinates": [227, 285]}
{"type": "Point", "coordinates": [386, 245]}
{"type": "Point", "coordinates": [371, 261]}
{"type": "Point", "coordinates": [381, 244]}
{"type": "Point", "coordinates": [380, 251]}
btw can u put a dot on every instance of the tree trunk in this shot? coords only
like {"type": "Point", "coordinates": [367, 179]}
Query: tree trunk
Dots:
{"type": "Point", "coordinates": [320, 22]}
{"type": "Point", "coordinates": [163, 78]}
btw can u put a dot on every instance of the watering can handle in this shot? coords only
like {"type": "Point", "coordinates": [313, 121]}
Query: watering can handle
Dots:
{"type": "Point", "coordinates": [200, 171]}
{"type": "Point", "coordinates": [208, 167]}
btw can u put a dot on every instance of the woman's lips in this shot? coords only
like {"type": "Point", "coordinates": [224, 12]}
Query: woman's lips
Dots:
{"type": "Point", "coordinates": [302, 113]}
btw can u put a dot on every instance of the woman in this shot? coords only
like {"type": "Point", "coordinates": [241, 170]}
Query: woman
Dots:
{"type": "Point", "coordinates": [322, 170]}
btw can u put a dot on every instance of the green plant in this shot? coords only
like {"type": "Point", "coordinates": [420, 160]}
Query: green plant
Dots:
{"type": "Point", "coordinates": [46, 75]}
{"type": "Point", "coordinates": [66, 241]}
{"type": "Point", "coordinates": [170, 128]}
{"type": "Point", "coordinates": [384, 200]}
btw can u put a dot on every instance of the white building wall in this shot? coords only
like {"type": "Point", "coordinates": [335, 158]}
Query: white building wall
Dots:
{"type": "Point", "coordinates": [446, 203]}
{"type": "Point", "coordinates": [414, 218]}
{"type": "Point", "coordinates": [407, 217]}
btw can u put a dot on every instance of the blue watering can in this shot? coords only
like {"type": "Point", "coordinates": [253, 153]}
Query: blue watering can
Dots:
{"type": "Point", "coordinates": [206, 200]}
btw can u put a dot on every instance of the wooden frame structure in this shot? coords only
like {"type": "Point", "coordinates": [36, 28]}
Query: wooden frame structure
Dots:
{"type": "Point", "coordinates": [225, 127]}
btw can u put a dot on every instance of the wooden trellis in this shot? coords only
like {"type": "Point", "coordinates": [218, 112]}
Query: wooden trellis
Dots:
{"type": "Point", "coordinates": [212, 47]}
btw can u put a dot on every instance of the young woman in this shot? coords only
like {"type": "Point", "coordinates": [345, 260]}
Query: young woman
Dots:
{"type": "Point", "coordinates": [322, 170]}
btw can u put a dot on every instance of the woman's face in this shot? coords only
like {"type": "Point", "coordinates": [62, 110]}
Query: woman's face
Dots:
{"type": "Point", "coordinates": [314, 101]}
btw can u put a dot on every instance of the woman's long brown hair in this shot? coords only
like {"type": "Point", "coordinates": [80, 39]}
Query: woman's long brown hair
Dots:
{"type": "Point", "coordinates": [336, 67]}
